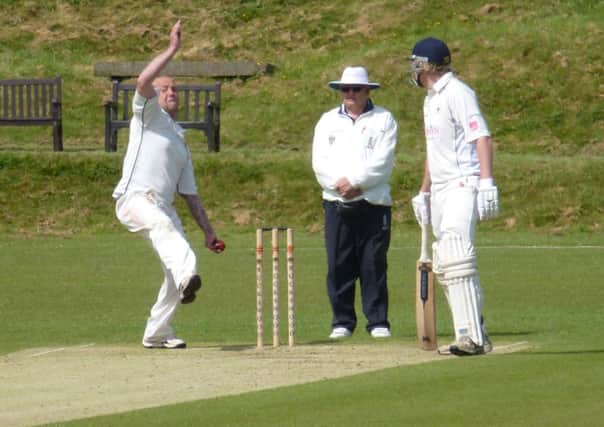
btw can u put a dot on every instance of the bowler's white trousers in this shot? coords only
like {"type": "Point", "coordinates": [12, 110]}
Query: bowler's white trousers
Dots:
{"type": "Point", "coordinates": [145, 214]}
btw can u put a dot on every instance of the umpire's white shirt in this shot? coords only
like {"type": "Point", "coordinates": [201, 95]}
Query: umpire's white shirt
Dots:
{"type": "Point", "coordinates": [360, 150]}
{"type": "Point", "coordinates": [157, 159]}
{"type": "Point", "coordinates": [452, 123]}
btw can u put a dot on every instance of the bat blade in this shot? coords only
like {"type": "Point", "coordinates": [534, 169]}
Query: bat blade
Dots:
{"type": "Point", "coordinates": [425, 309]}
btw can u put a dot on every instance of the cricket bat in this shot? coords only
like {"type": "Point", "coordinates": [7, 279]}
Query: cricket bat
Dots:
{"type": "Point", "coordinates": [425, 307]}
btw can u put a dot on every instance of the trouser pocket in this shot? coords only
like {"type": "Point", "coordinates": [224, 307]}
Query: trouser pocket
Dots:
{"type": "Point", "coordinates": [352, 209]}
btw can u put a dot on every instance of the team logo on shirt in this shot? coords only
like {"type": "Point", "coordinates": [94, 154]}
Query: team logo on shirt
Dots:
{"type": "Point", "coordinates": [431, 132]}
{"type": "Point", "coordinates": [331, 139]}
{"type": "Point", "coordinates": [473, 125]}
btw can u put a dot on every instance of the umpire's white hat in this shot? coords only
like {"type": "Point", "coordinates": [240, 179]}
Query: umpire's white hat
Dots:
{"type": "Point", "coordinates": [354, 76]}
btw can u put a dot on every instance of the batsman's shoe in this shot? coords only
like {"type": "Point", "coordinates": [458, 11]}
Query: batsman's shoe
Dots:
{"type": "Point", "coordinates": [445, 350]}
{"type": "Point", "coordinates": [188, 287]}
{"type": "Point", "coordinates": [169, 343]}
{"type": "Point", "coordinates": [466, 347]}
{"type": "Point", "coordinates": [340, 332]}
{"type": "Point", "coordinates": [380, 332]}
{"type": "Point", "coordinates": [487, 345]}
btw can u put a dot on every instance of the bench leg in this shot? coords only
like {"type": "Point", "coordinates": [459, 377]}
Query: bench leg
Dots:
{"type": "Point", "coordinates": [57, 136]}
{"type": "Point", "coordinates": [108, 144]}
{"type": "Point", "coordinates": [214, 139]}
{"type": "Point", "coordinates": [114, 140]}
{"type": "Point", "coordinates": [110, 133]}
{"type": "Point", "coordinates": [111, 140]}
{"type": "Point", "coordinates": [57, 126]}
{"type": "Point", "coordinates": [213, 129]}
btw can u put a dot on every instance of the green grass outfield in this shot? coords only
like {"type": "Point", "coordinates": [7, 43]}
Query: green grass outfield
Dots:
{"type": "Point", "coordinates": [59, 292]}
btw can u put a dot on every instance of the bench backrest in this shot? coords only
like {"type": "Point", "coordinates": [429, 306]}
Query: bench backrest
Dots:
{"type": "Point", "coordinates": [30, 100]}
{"type": "Point", "coordinates": [199, 108]}
{"type": "Point", "coordinates": [193, 103]}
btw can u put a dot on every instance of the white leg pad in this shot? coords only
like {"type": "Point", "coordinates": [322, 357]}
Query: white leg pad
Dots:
{"type": "Point", "coordinates": [455, 265]}
{"type": "Point", "coordinates": [465, 300]}
{"type": "Point", "coordinates": [454, 257]}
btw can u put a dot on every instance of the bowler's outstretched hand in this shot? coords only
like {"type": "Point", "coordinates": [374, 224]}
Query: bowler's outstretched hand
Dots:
{"type": "Point", "coordinates": [175, 37]}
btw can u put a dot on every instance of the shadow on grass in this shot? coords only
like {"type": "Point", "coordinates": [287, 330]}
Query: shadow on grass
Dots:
{"type": "Point", "coordinates": [244, 347]}
{"type": "Point", "coordinates": [46, 149]}
{"type": "Point", "coordinates": [240, 347]}
{"type": "Point", "coordinates": [559, 352]}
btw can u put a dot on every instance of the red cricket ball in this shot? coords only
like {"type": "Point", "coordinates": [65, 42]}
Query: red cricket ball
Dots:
{"type": "Point", "coordinates": [219, 246]}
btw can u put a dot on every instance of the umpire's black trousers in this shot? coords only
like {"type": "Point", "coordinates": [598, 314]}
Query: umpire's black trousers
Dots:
{"type": "Point", "coordinates": [357, 237]}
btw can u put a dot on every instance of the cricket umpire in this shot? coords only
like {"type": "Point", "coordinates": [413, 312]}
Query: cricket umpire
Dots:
{"type": "Point", "coordinates": [157, 165]}
{"type": "Point", "coordinates": [352, 157]}
{"type": "Point", "coordinates": [457, 189]}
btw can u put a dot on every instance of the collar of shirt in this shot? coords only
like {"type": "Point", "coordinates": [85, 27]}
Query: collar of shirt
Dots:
{"type": "Point", "coordinates": [442, 82]}
{"type": "Point", "coordinates": [368, 107]}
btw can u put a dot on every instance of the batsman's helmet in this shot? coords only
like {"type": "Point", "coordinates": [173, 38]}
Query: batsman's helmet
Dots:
{"type": "Point", "coordinates": [432, 50]}
{"type": "Point", "coordinates": [429, 53]}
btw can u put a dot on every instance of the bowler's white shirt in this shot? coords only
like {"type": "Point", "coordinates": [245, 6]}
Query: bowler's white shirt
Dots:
{"type": "Point", "coordinates": [360, 150]}
{"type": "Point", "coordinates": [157, 158]}
{"type": "Point", "coordinates": [452, 123]}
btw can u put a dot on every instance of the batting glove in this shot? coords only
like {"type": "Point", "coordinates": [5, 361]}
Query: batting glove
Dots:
{"type": "Point", "coordinates": [488, 200]}
{"type": "Point", "coordinates": [421, 208]}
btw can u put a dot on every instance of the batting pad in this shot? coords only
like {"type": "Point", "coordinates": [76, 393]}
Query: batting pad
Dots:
{"type": "Point", "coordinates": [455, 264]}
{"type": "Point", "coordinates": [465, 301]}
{"type": "Point", "coordinates": [454, 257]}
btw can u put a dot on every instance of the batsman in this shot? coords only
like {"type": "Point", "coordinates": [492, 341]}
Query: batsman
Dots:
{"type": "Point", "coordinates": [457, 189]}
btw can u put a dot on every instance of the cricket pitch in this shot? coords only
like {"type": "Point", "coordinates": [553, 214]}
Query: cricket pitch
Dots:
{"type": "Point", "coordinates": [47, 385]}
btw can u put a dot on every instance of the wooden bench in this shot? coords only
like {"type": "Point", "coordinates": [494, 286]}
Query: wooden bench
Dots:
{"type": "Point", "coordinates": [117, 111]}
{"type": "Point", "coordinates": [199, 108]}
{"type": "Point", "coordinates": [33, 102]}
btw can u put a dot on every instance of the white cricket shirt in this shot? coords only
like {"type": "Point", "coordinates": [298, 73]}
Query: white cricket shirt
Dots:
{"type": "Point", "coordinates": [360, 150]}
{"type": "Point", "coordinates": [157, 158]}
{"type": "Point", "coordinates": [452, 123]}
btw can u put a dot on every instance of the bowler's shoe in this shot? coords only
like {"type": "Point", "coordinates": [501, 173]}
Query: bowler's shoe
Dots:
{"type": "Point", "coordinates": [168, 343]}
{"type": "Point", "coordinates": [188, 287]}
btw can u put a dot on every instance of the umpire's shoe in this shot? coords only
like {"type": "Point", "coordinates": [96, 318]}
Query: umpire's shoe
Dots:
{"type": "Point", "coordinates": [188, 287]}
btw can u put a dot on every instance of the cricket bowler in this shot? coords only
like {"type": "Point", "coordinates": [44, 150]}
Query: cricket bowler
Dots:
{"type": "Point", "coordinates": [156, 167]}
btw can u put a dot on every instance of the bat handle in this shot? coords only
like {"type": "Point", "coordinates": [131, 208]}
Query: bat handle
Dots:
{"type": "Point", "coordinates": [425, 252]}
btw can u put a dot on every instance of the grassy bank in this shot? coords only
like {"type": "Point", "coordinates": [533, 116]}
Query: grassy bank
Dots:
{"type": "Point", "coordinates": [71, 193]}
{"type": "Point", "coordinates": [536, 66]}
